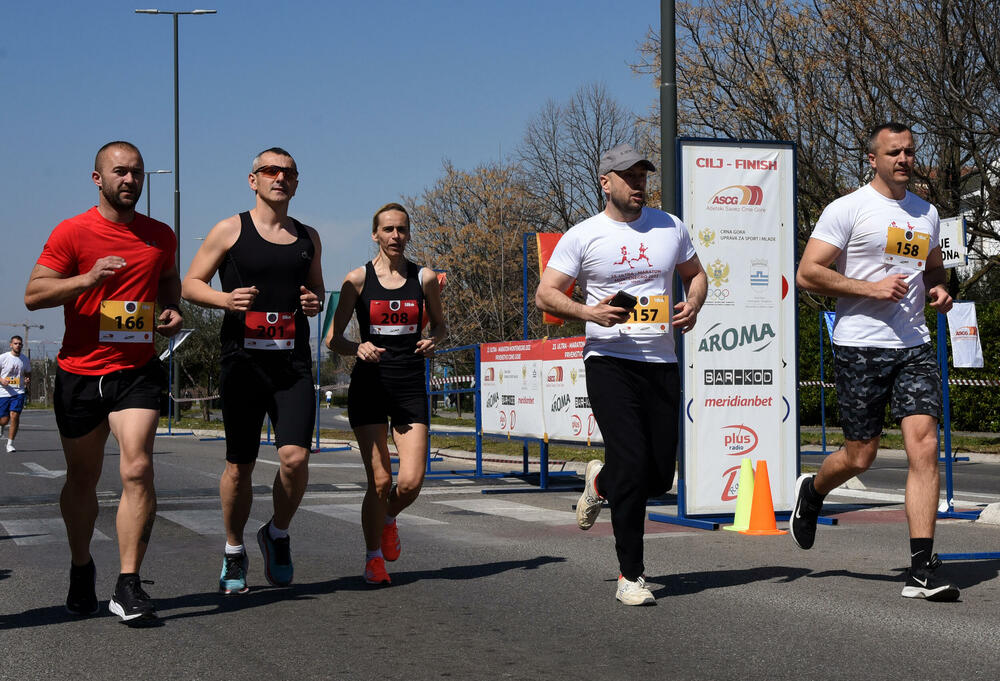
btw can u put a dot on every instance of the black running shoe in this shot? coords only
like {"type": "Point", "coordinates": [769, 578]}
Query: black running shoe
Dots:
{"type": "Point", "coordinates": [130, 601]}
{"type": "Point", "coordinates": [802, 524]}
{"type": "Point", "coordinates": [278, 568]}
{"type": "Point", "coordinates": [82, 598]}
{"type": "Point", "coordinates": [923, 583]}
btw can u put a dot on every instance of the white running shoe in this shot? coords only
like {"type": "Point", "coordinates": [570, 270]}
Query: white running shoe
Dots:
{"type": "Point", "coordinates": [634, 593]}
{"type": "Point", "coordinates": [10, 446]}
{"type": "Point", "coordinates": [588, 507]}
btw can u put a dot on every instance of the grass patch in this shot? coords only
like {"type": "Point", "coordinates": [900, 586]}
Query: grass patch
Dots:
{"type": "Point", "coordinates": [959, 443]}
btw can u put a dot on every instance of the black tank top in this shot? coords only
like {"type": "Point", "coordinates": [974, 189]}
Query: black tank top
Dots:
{"type": "Point", "coordinates": [392, 318]}
{"type": "Point", "coordinates": [275, 325]}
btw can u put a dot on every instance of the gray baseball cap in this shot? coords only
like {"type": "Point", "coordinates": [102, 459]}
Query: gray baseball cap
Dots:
{"type": "Point", "coordinates": [622, 157]}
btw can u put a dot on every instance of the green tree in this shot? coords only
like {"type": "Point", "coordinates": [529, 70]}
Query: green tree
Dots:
{"type": "Point", "coordinates": [199, 356]}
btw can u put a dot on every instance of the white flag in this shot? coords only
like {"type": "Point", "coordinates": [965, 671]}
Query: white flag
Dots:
{"type": "Point", "coordinates": [966, 351]}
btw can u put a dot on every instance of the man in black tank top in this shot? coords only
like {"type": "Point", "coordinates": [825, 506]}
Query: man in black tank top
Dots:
{"type": "Point", "coordinates": [269, 267]}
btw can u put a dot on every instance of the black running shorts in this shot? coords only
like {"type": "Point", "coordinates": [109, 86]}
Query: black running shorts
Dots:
{"type": "Point", "coordinates": [908, 379]}
{"type": "Point", "coordinates": [251, 388]}
{"type": "Point", "coordinates": [82, 403]}
{"type": "Point", "coordinates": [377, 396]}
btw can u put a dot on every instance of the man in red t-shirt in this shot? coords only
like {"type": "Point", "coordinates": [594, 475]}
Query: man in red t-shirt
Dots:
{"type": "Point", "coordinates": [108, 268]}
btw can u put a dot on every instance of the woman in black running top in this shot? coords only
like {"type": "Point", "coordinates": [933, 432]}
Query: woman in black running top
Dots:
{"type": "Point", "coordinates": [392, 298]}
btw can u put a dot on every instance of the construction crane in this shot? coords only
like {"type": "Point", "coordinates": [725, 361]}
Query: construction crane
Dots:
{"type": "Point", "coordinates": [24, 325]}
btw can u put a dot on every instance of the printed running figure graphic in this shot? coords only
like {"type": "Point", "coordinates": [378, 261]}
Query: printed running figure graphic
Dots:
{"type": "Point", "coordinates": [628, 261]}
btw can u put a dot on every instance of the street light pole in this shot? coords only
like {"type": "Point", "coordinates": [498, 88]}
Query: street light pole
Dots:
{"type": "Point", "coordinates": [177, 138]}
{"type": "Point", "coordinates": [177, 153]}
{"type": "Point", "coordinates": [149, 186]}
{"type": "Point", "coordinates": [668, 108]}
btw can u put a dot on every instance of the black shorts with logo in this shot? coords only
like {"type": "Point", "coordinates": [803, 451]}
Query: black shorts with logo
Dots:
{"type": "Point", "coordinates": [868, 378]}
{"type": "Point", "coordinates": [82, 403]}
{"type": "Point", "coordinates": [280, 387]}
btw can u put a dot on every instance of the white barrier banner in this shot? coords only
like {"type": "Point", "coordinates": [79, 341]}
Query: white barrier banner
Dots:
{"type": "Point", "coordinates": [510, 376]}
{"type": "Point", "coordinates": [966, 350]}
{"type": "Point", "coordinates": [567, 407]}
{"type": "Point", "coordinates": [738, 201]}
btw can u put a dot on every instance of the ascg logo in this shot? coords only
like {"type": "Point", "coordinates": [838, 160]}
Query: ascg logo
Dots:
{"type": "Point", "coordinates": [737, 195]}
{"type": "Point", "coordinates": [716, 339]}
{"type": "Point", "coordinates": [738, 440]}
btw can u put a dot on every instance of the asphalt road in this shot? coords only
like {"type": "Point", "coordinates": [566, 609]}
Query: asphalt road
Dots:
{"type": "Point", "coordinates": [488, 586]}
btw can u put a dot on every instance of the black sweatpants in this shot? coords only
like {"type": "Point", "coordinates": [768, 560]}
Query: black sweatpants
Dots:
{"type": "Point", "coordinates": [637, 406]}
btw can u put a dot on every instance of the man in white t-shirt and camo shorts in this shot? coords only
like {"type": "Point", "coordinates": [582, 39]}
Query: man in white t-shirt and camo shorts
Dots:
{"type": "Point", "coordinates": [884, 242]}
{"type": "Point", "coordinates": [632, 378]}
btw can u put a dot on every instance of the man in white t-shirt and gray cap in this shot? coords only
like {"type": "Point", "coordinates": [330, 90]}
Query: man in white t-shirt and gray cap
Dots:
{"type": "Point", "coordinates": [624, 258]}
{"type": "Point", "coordinates": [884, 242]}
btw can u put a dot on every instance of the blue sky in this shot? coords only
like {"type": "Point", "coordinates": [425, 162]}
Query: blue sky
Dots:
{"type": "Point", "coordinates": [370, 98]}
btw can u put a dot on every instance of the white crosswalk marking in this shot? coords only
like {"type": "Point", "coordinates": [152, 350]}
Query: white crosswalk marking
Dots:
{"type": "Point", "coordinates": [207, 522]}
{"type": "Point", "coordinates": [352, 514]}
{"type": "Point", "coordinates": [460, 481]}
{"type": "Point", "coordinates": [35, 531]}
{"type": "Point", "coordinates": [510, 509]}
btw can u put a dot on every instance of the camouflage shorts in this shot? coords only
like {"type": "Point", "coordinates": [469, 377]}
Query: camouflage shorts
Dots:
{"type": "Point", "coordinates": [868, 377]}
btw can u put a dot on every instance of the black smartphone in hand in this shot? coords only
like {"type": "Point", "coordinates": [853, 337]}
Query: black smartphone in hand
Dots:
{"type": "Point", "coordinates": [624, 300]}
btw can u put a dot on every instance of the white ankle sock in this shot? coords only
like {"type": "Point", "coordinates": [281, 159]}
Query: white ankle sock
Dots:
{"type": "Point", "coordinates": [234, 550]}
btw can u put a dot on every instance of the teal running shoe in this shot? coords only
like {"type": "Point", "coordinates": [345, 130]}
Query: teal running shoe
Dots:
{"type": "Point", "coordinates": [233, 579]}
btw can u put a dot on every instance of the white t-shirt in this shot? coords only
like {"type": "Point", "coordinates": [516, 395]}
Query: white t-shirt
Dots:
{"type": "Point", "coordinates": [14, 368]}
{"type": "Point", "coordinates": [638, 257]}
{"type": "Point", "coordinates": [859, 225]}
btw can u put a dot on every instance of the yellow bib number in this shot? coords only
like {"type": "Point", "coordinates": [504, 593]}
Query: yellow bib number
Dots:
{"type": "Point", "coordinates": [13, 381]}
{"type": "Point", "coordinates": [126, 321]}
{"type": "Point", "coordinates": [906, 247]}
{"type": "Point", "coordinates": [651, 316]}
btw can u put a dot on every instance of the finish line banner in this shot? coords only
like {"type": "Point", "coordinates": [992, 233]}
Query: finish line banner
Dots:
{"type": "Point", "coordinates": [740, 362]}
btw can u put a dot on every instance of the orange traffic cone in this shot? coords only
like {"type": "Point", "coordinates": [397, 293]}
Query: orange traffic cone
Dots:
{"type": "Point", "coordinates": [762, 511]}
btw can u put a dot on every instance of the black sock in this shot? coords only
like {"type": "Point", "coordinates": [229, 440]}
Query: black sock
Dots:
{"type": "Point", "coordinates": [811, 491]}
{"type": "Point", "coordinates": [920, 551]}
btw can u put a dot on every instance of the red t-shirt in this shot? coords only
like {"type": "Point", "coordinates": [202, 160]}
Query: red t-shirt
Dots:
{"type": "Point", "coordinates": [111, 326]}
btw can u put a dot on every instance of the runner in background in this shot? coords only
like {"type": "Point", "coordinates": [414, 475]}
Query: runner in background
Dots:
{"type": "Point", "coordinates": [387, 387]}
{"type": "Point", "coordinates": [15, 373]}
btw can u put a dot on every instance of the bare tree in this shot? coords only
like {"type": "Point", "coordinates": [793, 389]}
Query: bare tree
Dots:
{"type": "Point", "coordinates": [562, 148]}
{"type": "Point", "coordinates": [470, 223]}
